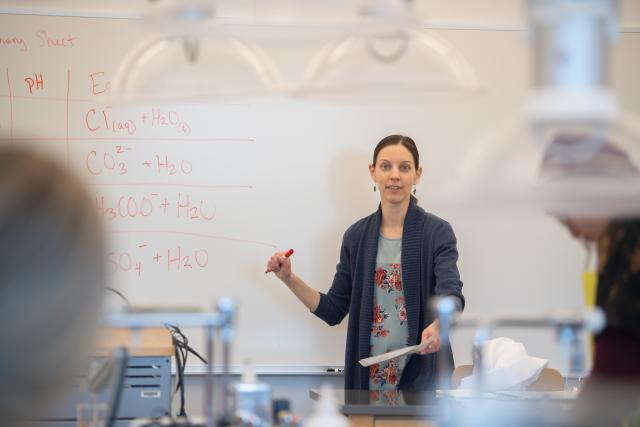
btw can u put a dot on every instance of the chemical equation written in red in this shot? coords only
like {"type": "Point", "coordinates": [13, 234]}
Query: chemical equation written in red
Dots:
{"type": "Point", "coordinates": [145, 259]}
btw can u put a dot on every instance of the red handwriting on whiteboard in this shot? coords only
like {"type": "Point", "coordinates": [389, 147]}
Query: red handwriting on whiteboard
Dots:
{"type": "Point", "coordinates": [129, 206]}
{"type": "Point", "coordinates": [96, 120]}
{"type": "Point", "coordinates": [108, 161]}
{"type": "Point", "coordinates": [193, 209]}
{"type": "Point", "coordinates": [163, 165]}
{"type": "Point", "coordinates": [36, 82]}
{"type": "Point", "coordinates": [106, 119]}
{"type": "Point", "coordinates": [123, 261]}
{"type": "Point", "coordinates": [175, 259]}
{"type": "Point", "coordinates": [98, 83]}
{"type": "Point", "coordinates": [178, 259]}
{"type": "Point", "coordinates": [47, 40]}
{"type": "Point", "coordinates": [14, 41]}
{"type": "Point", "coordinates": [169, 118]}
{"type": "Point", "coordinates": [115, 161]}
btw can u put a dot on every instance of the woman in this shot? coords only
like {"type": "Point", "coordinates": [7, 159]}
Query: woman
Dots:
{"type": "Point", "coordinates": [617, 348]}
{"type": "Point", "coordinates": [51, 281]}
{"type": "Point", "coordinates": [617, 240]}
{"type": "Point", "coordinates": [611, 395]}
{"type": "Point", "coordinates": [391, 263]}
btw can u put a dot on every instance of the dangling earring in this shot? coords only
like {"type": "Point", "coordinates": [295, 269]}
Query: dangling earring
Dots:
{"type": "Point", "coordinates": [414, 190]}
{"type": "Point", "coordinates": [374, 188]}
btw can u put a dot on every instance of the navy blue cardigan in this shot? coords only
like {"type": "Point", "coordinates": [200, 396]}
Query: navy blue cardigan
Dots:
{"type": "Point", "coordinates": [429, 257]}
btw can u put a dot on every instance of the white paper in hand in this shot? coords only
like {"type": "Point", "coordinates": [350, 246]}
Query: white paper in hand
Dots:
{"type": "Point", "coordinates": [395, 353]}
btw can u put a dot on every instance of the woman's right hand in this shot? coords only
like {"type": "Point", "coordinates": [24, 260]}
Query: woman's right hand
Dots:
{"type": "Point", "coordinates": [280, 265]}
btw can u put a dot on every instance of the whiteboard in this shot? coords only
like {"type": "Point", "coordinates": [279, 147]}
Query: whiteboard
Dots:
{"type": "Point", "coordinates": [196, 197]}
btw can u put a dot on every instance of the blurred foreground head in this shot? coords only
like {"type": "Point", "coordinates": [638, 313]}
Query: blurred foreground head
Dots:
{"type": "Point", "coordinates": [51, 280]}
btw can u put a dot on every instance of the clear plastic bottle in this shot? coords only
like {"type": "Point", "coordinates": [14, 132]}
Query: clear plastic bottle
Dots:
{"type": "Point", "coordinates": [326, 412]}
{"type": "Point", "coordinates": [252, 399]}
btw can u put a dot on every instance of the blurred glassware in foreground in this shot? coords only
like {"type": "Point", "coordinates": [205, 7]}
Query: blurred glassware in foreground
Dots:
{"type": "Point", "coordinates": [189, 60]}
{"type": "Point", "coordinates": [388, 57]}
{"type": "Point", "coordinates": [380, 54]}
{"type": "Point", "coordinates": [566, 171]}
{"type": "Point", "coordinates": [573, 152]}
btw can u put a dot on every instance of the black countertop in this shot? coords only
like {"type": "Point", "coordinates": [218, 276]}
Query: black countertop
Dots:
{"type": "Point", "coordinates": [401, 404]}
{"type": "Point", "coordinates": [426, 405]}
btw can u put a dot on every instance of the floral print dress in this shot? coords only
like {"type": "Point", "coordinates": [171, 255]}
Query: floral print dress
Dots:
{"type": "Point", "coordinates": [389, 329]}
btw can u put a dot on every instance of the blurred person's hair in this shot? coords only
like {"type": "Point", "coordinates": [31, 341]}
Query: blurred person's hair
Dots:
{"type": "Point", "coordinates": [51, 280]}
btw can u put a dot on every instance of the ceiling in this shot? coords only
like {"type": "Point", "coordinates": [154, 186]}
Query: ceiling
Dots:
{"type": "Point", "coordinates": [490, 14]}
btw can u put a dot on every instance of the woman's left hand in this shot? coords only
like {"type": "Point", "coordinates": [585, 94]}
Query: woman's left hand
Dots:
{"type": "Point", "coordinates": [431, 333]}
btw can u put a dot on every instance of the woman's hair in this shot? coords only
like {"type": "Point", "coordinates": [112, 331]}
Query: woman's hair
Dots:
{"type": "Point", "coordinates": [405, 141]}
{"type": "Point", "coordinates": [51, 280]}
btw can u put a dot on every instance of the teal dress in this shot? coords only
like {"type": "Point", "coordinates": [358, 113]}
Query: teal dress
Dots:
{"type": "Point", "coordinates": [389, 329]}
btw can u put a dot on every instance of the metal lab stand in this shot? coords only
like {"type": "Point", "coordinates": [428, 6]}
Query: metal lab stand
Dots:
{"type": "Point", "coordinates": [221, 320]}
{"type": "Point", "coordinates": [568, 328]}
{"type": "Point", "coordinates": [567, 325]}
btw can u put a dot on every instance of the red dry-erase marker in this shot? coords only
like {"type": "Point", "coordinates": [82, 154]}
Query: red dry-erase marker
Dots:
{"type": "Point", "coordinates": [286, 254]}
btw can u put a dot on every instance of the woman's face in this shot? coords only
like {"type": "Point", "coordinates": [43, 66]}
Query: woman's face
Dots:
{"type": "Point", "coordinates": [395, 174]}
